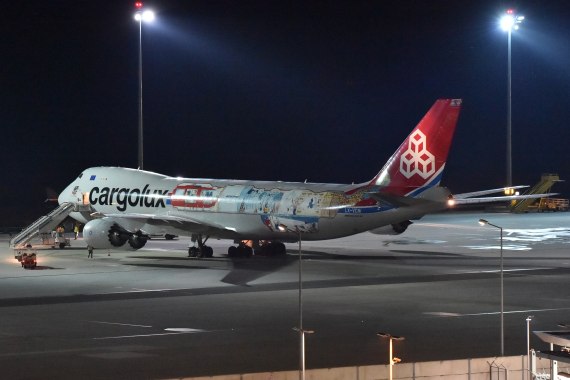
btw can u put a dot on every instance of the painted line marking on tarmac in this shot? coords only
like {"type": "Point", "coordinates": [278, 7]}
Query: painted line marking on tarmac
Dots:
{"type": "Point", "coordinates": [507, 270]}
{"type": "Point", "coordinates": [183, 329]}
{"type": "Point", "coordinates": [172, 331]}
{"type": "Point", "coordinates": [140, 336]}
{"type": "Point", "coordinates": [442, 314]}
{"type": "Point", "coordinates": [518, 311]}
{"type": "Point", "coordinates": [135, 290]}
{"type": "Point", "coordinates": [120, 324]}
{"type": "Point", "coordinates": [512, 247]}
{"type": "Point", "coordinates": [164, 249]}
{"type": "Point", "coordinates": [448, 314]}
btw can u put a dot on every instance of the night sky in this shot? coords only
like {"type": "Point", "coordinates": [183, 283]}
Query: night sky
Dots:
{"type": "Point", "coordinates": [275, 90]}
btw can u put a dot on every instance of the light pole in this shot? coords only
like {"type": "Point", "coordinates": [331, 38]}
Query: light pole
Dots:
{"type": "Point", "coordinates": [509, 22]}
{"type": "Point", "coordinates": [141, 15]}
{"type": "Point", "coordinates": [528, 319]}
{"type": "Point", "coordinates": [391, 358]}
{"type": "Point", "coordinates": [302, 332]}
{"type": "Point", "coordinates": [484, 222]}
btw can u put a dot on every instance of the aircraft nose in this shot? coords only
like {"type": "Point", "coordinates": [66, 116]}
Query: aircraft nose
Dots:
{"type": "Point", "coordinates": [69, 194]}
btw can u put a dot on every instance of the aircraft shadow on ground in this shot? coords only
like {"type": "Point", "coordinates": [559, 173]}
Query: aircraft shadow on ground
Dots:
{"type": "Point", "coordinates": [245, 270]}
{"type": "Point", "coordinates": [242, 270]}
{"type": "Point", "coordinates": [169, 266]}
{"type": "Point", "coordinates": [292, 285]}
{"type": "Point", "coordinates": [377, 255]}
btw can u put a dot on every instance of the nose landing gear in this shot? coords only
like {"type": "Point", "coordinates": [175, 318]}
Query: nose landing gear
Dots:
{"type": "Point", "coordinates": [202, 250]}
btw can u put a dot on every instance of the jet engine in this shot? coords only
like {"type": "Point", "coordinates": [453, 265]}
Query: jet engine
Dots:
{"type": "Point", "coordinates": [107, 233]}
{"type": "Point", "coordinates": [392, 229]}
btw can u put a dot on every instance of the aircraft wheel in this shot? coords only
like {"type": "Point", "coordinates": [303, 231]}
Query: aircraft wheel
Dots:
{"type": "Point", "coordinates": [192, 252]}
{"type": "Point", "coordinates": [245, 251]}
{"type": "Point", "coordinates": [61, 245]}
{"type": "Point", "coordinates": [116, 239]}
{"type": "Point", "coordinates": [232, 251]}
{"type": "Point", "coordinates": [280, 249]}
{"type": "Point", "coordinates": [137, 242]}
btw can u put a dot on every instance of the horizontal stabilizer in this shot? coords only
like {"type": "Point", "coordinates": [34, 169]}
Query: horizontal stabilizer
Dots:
{"type": "Point", "coordinates": [486, 192]}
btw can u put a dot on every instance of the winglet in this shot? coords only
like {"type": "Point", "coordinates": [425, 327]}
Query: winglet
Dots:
{"type": "Point", "coordinates": [419, 162]}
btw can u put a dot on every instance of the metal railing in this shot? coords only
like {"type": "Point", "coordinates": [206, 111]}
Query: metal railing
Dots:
{"type": "Point", "coordinates": [45, 223]}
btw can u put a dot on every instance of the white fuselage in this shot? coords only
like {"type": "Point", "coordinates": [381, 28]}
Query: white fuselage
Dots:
{"type": "Point", "coordinates": [158, 204]}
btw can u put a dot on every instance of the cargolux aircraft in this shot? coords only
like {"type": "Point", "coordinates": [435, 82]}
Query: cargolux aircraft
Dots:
{"type": "Point", "coordinates": [123, 207]}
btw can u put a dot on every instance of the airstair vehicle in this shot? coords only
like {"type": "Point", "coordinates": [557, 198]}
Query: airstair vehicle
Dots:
{"type": "Point", "coordinates": [43, 225]}
{"type": "Point", "coordinates": [543, 204]}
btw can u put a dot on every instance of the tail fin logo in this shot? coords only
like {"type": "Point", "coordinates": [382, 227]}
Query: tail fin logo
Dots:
{"type": "Point", "coordinates": [417, 159]}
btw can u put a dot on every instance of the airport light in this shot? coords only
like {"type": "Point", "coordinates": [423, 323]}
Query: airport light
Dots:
{"type": "Point", "coordinates": [528, 319]}
{"type": "Point", "coordinates": [485, 222]}
{"type": "Point", "coordinates": [392, 360]}
{"type": "Point", "coordinates": [302, 332]}
{"type": "Point", "coordinates": [141, 15]}
{"type": "Point", "coordinates": [509, 22]}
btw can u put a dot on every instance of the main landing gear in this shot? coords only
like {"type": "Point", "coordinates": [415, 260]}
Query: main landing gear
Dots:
{"type": "Point", "coordinates": [202, 250]}
{"type": "Point", "coordinates": [246, 248]}
{"type": "Point", "coordinates": [242, 250]}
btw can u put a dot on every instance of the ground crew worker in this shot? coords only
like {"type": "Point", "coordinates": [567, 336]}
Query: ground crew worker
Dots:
{"type": "Point", "coordinates": [89, 252]}
{"type": "Point", "coordinates": [76, 230]}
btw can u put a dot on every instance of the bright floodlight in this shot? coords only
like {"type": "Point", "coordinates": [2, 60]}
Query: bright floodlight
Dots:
{"type": "Point", "coordinates": [507, 22]}
{"type": "Point", "coordinates": [510, 21]}
{"type": "Point", "coordinates": [146, 16]}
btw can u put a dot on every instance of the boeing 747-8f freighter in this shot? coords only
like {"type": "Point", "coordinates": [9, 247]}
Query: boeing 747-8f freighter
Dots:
{"type": "Point", "coordinates": [123, 207]}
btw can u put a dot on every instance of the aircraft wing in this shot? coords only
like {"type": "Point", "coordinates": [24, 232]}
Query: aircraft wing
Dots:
{"type": "Point", "coordinates": [186, 222]}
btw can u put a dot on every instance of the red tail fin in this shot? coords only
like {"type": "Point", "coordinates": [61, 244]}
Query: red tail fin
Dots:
{"type": "Point", "coordinates": [418, 163]}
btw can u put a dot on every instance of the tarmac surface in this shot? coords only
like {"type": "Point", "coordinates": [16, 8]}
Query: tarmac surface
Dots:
{"type": "Point", "coordinates": [155, 313]}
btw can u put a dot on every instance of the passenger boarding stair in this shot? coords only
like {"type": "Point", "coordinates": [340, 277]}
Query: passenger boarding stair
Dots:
{"type": "Point", "coordinates": [543, 186]}
{"type": "Point", "coordinates": [44, 224]}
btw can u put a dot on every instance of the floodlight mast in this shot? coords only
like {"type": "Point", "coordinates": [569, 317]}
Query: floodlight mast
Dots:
{"type": "Point", "coordinates": [391, 359]}
{"type": "Point", "coordinates": [484, 222]}
{"type": "Point", "coordinates": [300, 329]}
{"type": "Point", "coordinates": [141, 15]}
{"type": "Point", "coordinates": [509, 22]}
{"type": "Point", "coordinates": [528, 362]}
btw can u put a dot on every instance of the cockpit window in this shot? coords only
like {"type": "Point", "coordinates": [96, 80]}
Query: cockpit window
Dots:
{"type": "Point", "coordinates": [80, 175]}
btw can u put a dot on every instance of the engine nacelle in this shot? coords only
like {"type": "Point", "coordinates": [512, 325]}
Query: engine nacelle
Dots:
{"type": "Point", "coordinates": [392, 229]}
{"type": "Point", "coordinates": [107, 233]}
